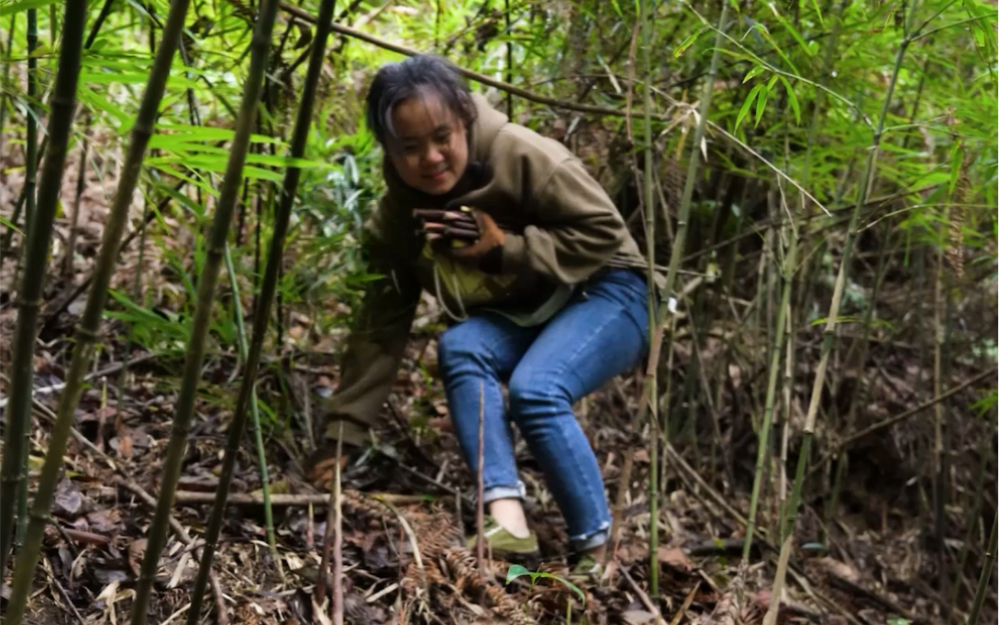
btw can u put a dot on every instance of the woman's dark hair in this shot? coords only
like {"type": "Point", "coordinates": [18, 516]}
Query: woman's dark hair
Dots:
{"type": "Point", "coordinates": [415, 77]}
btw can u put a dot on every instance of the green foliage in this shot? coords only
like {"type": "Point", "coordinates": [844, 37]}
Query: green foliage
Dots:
{"type": "Point", "coordinates": [517, 570]}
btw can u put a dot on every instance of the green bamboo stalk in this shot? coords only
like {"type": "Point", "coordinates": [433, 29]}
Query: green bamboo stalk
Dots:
{"type": "Point", "coordinates": [861, 392]}
{"type": "Point", "coordinates": [787, 275]}
{"type": "Point", "coordinates": [254, 409]}
{"type": "Point", "coordinates": [647, 16]}
{"type": "Point", "coordinates": [31, 171]}
{"type": "Point", "coordinates": [262, 307]}
{"type": "Point", "coordinates": [86, 334]}
{"type": "Point", "coordinates": [830, 328]}
{"type": "Point", "coordinates": [35, 261]}
{"type": "Point", "coordinates": [983, 579]}
{"type": "Point", "coordinates": [984, 447]}
{"type": "Point", "coordinates": [259, 51]}
{"type": "Point", "coordinates": [6, 70]}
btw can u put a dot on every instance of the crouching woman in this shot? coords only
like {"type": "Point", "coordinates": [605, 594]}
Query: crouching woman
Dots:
{"type": "Point", "coordinates": [543, 283]}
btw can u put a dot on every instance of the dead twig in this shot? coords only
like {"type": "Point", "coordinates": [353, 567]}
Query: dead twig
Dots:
{"type": "Point", "coordinates": [184, 537]}
{"type": "Point", "coordinates": [324, 564]}
{"type": "Point", "coordinates": [185, 497]}
{"type": "Point", "coordinates": [642, 596]}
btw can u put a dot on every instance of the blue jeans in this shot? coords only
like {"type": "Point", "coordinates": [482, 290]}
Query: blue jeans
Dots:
{"type": "Point", "coordinates": [601, 333]}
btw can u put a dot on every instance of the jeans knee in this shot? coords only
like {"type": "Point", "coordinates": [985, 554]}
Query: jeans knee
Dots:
{"type": "Point", "coordinates": [533, 394]}
{"type": "Point", "coordinates": [457, 346]}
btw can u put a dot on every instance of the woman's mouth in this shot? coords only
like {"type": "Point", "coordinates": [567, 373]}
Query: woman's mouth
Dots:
{"type": "Point", "coordinates": [437, 176]}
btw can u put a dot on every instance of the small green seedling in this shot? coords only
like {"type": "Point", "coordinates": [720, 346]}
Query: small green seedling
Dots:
{"type": "Point", "coordinates": [517, 570]}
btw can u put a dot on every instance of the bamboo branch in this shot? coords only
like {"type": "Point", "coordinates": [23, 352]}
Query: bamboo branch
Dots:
{"type": "Point", "coordinates": [305, 16]}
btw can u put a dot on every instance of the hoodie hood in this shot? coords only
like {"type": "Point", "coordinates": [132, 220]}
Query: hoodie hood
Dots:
{"type": "Point", "coordinates": [482, 134]}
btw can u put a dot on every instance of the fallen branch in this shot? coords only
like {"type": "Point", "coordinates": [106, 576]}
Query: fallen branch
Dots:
{"type": "Point", "coordinates": [185, 538]}
{"type": "Point", "coordinates": [185, 497]}
{"type": "Point", "coordinates": [114, 367]}
{"type": "Point", "coordinates": [130, 485]}
{"type": "Point", "coordinates": [889, 422]}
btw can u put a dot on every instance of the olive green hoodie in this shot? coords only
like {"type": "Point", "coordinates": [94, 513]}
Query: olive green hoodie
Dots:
{"type": "Point", "coordinates": [560, 227]}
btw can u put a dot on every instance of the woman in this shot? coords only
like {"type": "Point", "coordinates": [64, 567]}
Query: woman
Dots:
{"type": "Point", "coordinates": [530, 258]}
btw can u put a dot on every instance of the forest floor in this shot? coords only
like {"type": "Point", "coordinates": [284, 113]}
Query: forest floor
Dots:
{"type": "Point", "coordinates": [403, 530]}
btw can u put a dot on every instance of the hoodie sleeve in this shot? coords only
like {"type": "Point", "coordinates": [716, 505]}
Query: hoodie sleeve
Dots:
{"type": "Point", "coordinates": [577, 230]}
{"type": "Point", "coordinates": [380, 331]}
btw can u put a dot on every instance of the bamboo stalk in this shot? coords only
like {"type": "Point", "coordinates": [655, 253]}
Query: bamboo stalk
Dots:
{"type": "Point", "coordinates": [984, 446]}
{"type": "Point", "coordinates": [31, 171]}
{"type": "Point", "coordinates": [773, 373]}
{"type": "Point", "coordinates": [861, 392]}
{"type": "Point", "coordinates": [86, 334]}
{"type": "Point", "coordinates": [74, 219]}
{"type": "Point", "coordinates": [983, 579]}
{"type": "Point", "coordinates": [337, 602]}
{"type": "Point", "coordinates": [6, 77]}
{"type": "Point", "coordinates": [261, 312]}
{"type": "Point", "coordinates": [30, 292]}
{"type": "Point", "coordinates": [647, 18]}
{"type": "Point", "coordinates": [259, 49]}
{"type": "Point", "coordinates": [830, 327]}
{"type": "Point", "coordinates": [265, 486]}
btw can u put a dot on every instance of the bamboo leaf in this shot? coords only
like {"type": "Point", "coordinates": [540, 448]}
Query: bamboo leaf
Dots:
{"type": "Point", "coordinates": [760, 28]}
{"type": "Point", "coordinates": [791, 29]}
{"type": "Point", "coordinates": [753, 73]}
{"type": "Point", "coordinates": [761, 103]}
{"type": "Point", "coordinates": [23, 5]}
{"type": "Point", "coordinates": [686, 43]}
{"type": "Point", "coordinates": [748, 103]}
{"type": "Point", "coordinates": [792, 99]}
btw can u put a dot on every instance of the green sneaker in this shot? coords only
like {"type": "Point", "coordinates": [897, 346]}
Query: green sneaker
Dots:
{"type": "Point", "coordinates": [587, 569]}
{"type": "Point", "coordinates": [503, 543]}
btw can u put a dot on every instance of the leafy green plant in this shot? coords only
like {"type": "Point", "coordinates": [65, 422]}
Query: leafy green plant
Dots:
{"type": "Point", "coordinates": [517, 570]}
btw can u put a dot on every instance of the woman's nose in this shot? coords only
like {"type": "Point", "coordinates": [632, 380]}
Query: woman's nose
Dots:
{"type": "Point", "coordinates": [433, 156]}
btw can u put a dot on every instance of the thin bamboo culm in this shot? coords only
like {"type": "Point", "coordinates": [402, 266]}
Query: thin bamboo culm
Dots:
{"type": "Point", "coordinates": [787, 274]}
{"type": "Point", "coordinates": [983, 580]}
{"type": "Point", "coordinates": [833, 313]}
{"type": "Point", "coordinates": [261, 312]}
{"type": "Point", "coordinates": [31, 172]}
{"type": "Point", "coordinates": [259, 52]}
{"type": "Point", "coordinates": [86, 334]}
{"type": "Point", "coordinates": [648, 19]}
{"type": "Point", "coordinates": [30, 289]}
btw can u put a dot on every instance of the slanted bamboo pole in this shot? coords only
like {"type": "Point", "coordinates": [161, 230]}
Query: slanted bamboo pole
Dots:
{"type": "Point", "coordinates": [30, 290]}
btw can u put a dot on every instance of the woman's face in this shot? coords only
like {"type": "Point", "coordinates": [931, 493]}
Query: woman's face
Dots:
{"type": "Point", "coordinates": [430, 148]}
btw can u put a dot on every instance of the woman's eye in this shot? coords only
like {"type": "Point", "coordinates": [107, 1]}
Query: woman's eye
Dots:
{"type": "Point", "coordinates": [442, 137]}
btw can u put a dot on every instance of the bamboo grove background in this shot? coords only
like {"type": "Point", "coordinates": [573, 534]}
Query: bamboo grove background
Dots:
{"type": "Point", "coordinates": [185, 183]}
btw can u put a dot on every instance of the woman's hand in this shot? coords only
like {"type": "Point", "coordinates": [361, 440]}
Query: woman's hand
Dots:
{"type": "Point", "coordinates": [468, 225]}
{"type": "Point", "coordinates": [448, 224]}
